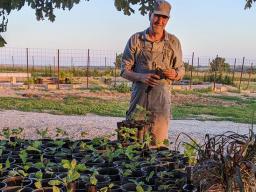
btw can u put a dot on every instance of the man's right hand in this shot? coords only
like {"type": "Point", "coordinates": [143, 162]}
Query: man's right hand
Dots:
{"type": "Point", "coordinates": [150, 79]}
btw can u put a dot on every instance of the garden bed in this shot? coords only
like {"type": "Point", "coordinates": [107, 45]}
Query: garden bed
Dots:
{"type": "Point", "coordinates": [87, 165]}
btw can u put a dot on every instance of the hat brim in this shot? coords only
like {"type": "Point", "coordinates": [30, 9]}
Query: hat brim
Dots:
{"type": "Point", "coordinates": [161, 13]}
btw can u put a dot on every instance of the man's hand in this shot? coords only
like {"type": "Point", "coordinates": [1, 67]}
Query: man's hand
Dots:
{"type": "Point", "coordinates": [170, 74]}
{"type": "Point", "coordinates": [150, 79]}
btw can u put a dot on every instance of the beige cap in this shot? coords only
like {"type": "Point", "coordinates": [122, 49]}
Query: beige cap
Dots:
{"type": "Point", "coordinates": [162, 7]}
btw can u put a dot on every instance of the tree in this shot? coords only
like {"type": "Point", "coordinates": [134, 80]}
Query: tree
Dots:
{"type": "Point", "coordinates": [45, 8]}
{"type": "Point", "coordinates": [248, 4]}
{"type": "Point", "coordinates": [219, 65]}
{"type": "Point", "coordinates": [118, 60]}
{"type": "Point", "coordinates": [188, 67]}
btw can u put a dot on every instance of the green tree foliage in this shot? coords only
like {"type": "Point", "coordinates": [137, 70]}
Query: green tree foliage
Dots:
{"type": "Point", "coordinates": [219, 69]}
{"type": "Point", "coordinates": [218, 64]}
{"type": "Point", "coordinates": [45, 8]}
{"type": "Point", "coordinates": [118, 60]}
{"type": "Point", "coordinates": [188, 66]}
{"type": "Point", "coordinates": [248, 3]}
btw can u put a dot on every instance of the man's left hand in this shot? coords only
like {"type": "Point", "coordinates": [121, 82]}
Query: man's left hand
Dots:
{"type": "Point", "coordinates": [171, 74]}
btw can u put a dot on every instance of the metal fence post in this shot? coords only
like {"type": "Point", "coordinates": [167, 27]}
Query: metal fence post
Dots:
{"type": "Point", "coordinates": [191, 71]}
{"type": "Point", "coordinates": [241, 75]}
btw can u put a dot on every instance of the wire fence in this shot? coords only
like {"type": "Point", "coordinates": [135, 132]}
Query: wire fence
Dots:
{"type": "Point", "coordinates": [62, 65]}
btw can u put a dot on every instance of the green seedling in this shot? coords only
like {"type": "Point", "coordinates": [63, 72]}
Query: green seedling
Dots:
{"type": "Point", "coordinates": [107, 188]}
{"type": "Point", "coordinates": [190, 152]}
{"type": "Point", "coordinates": [60, 132]}
{"type": "Point", "coordinates": [44, 164]}
{"type": "Point", "coordinates": [35, 146]}
{"type": "Point", "coordinates": [7, 133]}
{"type": "Point", "coordinates": [84, 133]}
{"type": "Point", "coordinates": [38, 178]}
{"type": "Point", "coordinates": [140, 114]}
{"type": "Point", "coordinates": [111, 153]}
{"type": "Point", "coordinates": [59, 143]}
{"type": "Point", "coordinates": [73, 173]}
{"type": "Point", "coordinates": [42, 133]}
{"type": "Point", "coordinates": [24, 158]}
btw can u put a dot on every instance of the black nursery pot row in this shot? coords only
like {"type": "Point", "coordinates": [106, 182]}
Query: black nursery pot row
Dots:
{"type": "Point", "coordinates": [151, 169]}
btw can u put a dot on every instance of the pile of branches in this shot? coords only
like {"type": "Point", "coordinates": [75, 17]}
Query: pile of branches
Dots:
{"type": "Point", "coordinates": [226, 162]}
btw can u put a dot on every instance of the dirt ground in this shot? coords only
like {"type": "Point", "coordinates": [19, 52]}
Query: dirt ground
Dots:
{"type": "Point", "coordinates": [176, 98]}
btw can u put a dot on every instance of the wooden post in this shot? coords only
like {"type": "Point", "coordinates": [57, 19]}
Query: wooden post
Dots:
{"type": "Point", "coordinates": [215, 74]}
{"type": "Point", "coordinates": [27, 69]}
{"type": "Point", "coordinates": [87, 69]}
{"type": "Point", "coordinates": [115, 70]}
{"type": "Point", "coordinates": [71, 65]}
{"type": "Point", "coordinates": [105, 60]}
{"type": "Point", "coordinates": [209, 69]}
{"type": "Point", "coordinates": [54, 70]}
{"type": "Point", "coordinates": [58, 69]}
{"type": "Point", "coordinates": [233, 76]}
{"type": "Point", "coordinates": [191, 70]}
{"type": "Point", "coordinates": [33, 61]}
{"type": "Point", "coordinates": [198, 66]}
{"type": "Point", "coordinates": [250, 75]}
{"type": "Point", "coordinates": [12, 63]}
{"type": "Point", "coordinates": [241, 75]}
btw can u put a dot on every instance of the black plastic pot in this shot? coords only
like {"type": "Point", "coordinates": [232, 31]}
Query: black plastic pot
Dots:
{"type": "Point", "coordinates": [112, 172]}
{"type": "Point", "coordinates": [6, 154]}
{"type": "Point", "coordinates": [3, 175]}
{"type": "Point", "coordinates": [3, 161]}
{"type": "Point", "coordinates": [92, 188]}
{"type": "Point", "coordinates": [95, 163]}
{"type": "Point", "coordinates": [30, 170]}
{"type": "Point", "coordinates": [170, 165]}
{"type": "Point", "coordinates": [2, 185]}
{"type": "Point", "coordinates": [18, 181]}
{"type": "Point", "coordinates": [26, 189]}
{"type": "Point", "coordinates": [45, 179]}
{"type": "Point", "coordinates": [115, 188]}
{"type": "Point", "coordinates": [79, 186]}
{"type": "Point", "coordinates": [11, 189]}
{"type": "Point", "coordinates": [45, 189]}
{"type": "Point", "coordinates": [137, 174]}
{"type": "Point", "coordinates": [120, 163]}
{"type": "Point", "coordinates": [130, 187]}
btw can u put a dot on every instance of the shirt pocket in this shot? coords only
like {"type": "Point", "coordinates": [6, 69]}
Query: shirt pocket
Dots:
{"type": "Point", "coordinates": [169, 58]}
{"type": "Point", "coordinates": [144, 58]}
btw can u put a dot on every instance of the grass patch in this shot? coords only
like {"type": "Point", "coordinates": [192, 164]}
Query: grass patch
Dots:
{"type": "Point", "coordinates": [193, 91]}
{"type": "Point", "coordinates": [241, 113]}
{"type": "Point", "coordinates": [70, 105]}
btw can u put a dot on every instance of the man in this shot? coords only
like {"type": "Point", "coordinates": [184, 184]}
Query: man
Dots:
{"type": "Point", "coordinates": [144, 54]}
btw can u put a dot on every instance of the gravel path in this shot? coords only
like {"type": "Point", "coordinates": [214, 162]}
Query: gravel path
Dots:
{"type": "Point", "coordinates": [96, 125]}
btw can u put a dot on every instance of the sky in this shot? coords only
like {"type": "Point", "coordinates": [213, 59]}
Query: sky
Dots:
{"type": "Point", "coordinates": [205, 27]}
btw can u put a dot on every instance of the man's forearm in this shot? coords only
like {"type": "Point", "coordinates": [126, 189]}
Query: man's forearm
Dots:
{"type": "Point", "coordinates": [132, 76]}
